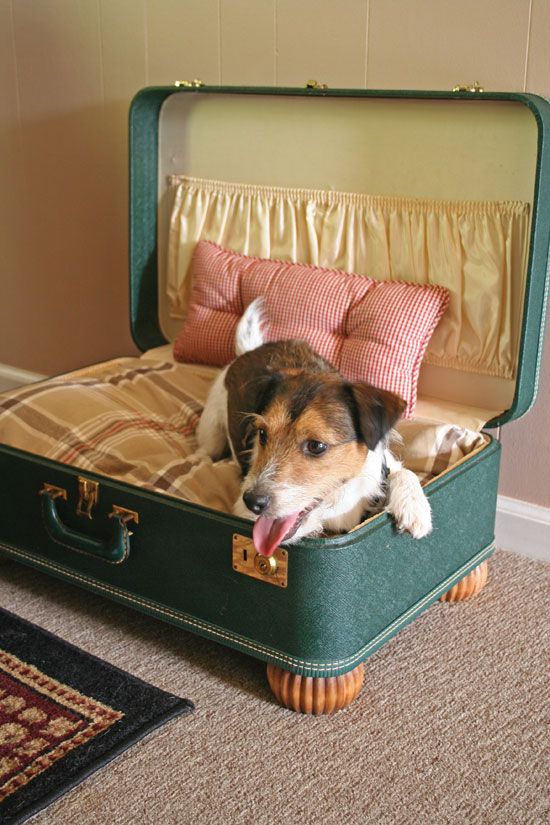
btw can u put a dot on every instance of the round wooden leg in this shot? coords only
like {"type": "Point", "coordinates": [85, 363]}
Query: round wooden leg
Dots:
{"type": "Point", "coordinates": [469, 586]}
{"type": "Point", "coordinates": [315, 694]}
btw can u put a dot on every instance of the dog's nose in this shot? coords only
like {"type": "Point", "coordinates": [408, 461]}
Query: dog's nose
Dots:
{"type": "Point", "coordinates": [256, 502]}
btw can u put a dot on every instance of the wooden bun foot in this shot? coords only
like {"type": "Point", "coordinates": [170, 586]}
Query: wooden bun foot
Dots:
{"type": "Point", "coordinates": [469, 586]}
{"type": "Point", "coordinates": [315, 694]}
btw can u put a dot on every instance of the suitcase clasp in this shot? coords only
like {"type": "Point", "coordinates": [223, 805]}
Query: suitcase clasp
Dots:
{"type": "Point", "coordinates": [88, 493]}
{"type": "Point", "coordinates": [272, 569]}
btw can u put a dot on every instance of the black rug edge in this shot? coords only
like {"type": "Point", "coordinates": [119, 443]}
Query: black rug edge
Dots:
{"type": "Point", "coordinates": [92, 656]}
{"type": "Point", "coordinates": [48, 799]}
{"type": "Point", "coordinates": [179, 707]}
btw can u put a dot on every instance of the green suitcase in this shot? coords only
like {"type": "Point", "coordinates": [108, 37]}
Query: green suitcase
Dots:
{"type": "Point", "coordinates": [332, 601]}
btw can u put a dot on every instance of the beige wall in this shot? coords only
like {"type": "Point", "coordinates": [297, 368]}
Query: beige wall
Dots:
{"type": "Point", "coordinates": [68, 69]}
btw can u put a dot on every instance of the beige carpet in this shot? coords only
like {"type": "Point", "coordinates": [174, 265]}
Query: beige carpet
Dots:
{"type": "Point", "coordinates": [451, 726]}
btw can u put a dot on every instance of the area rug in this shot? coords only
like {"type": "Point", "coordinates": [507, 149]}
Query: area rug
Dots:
{"type": "Point", "coordinates": [63, 715]}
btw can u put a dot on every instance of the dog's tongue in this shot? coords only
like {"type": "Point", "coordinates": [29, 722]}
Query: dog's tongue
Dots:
{"type": "Point", "coordinates": [268, 533]}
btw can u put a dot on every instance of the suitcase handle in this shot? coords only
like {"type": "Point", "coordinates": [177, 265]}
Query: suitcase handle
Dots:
{"type": "Point", "coordinates": [115, 549]}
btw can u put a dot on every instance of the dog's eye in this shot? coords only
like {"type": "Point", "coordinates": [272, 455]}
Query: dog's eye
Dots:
{"type": "Point", "coordinates": [262, 436]}
{"type": "Point", "coordinates": [314, 447]}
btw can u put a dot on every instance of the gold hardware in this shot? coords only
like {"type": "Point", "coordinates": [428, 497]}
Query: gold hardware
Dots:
{"type": "Point", "coordinates": [469, 87]}
{"type": "Point", "coordinates": [88, 493]}
{"type": "Point", "coordinates": [314, 84]}
{"type": "Point", "coordinates": [189, 84]}
{"type": "Point", "coordinates": [266, 565]}
{"type": "Point", "coordinates": [124, 514]}
{"type": "Point", "coordinates": [53, 492]}
{"type": "Point", "coordinates": [271, 569]}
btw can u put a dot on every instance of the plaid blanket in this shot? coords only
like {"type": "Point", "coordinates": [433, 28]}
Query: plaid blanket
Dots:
{"type": "Point", "coordinates": [429, 448]}
{"type": "Point", "coordinates": [134, 419]}
{"type": "Point", "coordinates": [131, 419]}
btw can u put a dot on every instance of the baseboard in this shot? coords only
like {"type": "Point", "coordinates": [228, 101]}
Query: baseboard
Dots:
{"type": "Point", "coordinates": [523, 528]}
{"type": "Point", "coordinates": [11, 377]}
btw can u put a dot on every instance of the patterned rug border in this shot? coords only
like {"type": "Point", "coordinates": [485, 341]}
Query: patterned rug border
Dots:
{"type": "Point", "coordinates": [131, 709]}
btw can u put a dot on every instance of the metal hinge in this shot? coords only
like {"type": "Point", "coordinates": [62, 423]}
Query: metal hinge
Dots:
{"type": "Point", "coordinates": [196, 83]}
{"type": "Point", "coordinates": [468, 87]}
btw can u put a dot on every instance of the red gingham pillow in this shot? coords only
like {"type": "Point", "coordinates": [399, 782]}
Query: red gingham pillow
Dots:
{"type": "Point", "coordinates": [374, 331]}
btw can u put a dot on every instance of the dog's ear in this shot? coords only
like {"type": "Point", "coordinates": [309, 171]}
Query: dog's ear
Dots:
{"type": "Point", "coordinates": [261, 391]}
{"type": "Point", "coordinates": [248, 395]}
{"type": "Point", "coordinates": [375, 411]}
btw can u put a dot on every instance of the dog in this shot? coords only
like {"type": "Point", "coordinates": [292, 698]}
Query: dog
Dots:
{"type": "Point", "coordinates": [312, 447]}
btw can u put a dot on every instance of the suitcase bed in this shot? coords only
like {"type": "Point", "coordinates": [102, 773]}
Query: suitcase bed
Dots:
{"type": "Point", "coordinates": [138, 528]}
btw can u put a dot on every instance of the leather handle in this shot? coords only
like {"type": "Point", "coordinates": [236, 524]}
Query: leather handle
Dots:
{"type": "Point", "coordinates": [115, 549]}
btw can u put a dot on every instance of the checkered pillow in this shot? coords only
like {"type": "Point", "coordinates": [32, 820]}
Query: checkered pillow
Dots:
{"type": "Point", "coordinates": [374, 331]}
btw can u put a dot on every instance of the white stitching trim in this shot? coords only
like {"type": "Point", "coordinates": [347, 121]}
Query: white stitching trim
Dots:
{"type": "Point", "coordinates": [215, 631]}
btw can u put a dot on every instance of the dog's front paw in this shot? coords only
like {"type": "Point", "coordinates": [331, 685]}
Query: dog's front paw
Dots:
{"type": "Point", "coordinates": [408, 504]}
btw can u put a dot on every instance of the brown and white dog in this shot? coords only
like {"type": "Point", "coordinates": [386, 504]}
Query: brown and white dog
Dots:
{"type": "Point", "coordinates": [312, 447]}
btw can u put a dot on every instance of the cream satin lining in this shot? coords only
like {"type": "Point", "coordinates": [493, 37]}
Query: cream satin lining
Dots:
{"type": "Point", "coordinates": [478, 250]}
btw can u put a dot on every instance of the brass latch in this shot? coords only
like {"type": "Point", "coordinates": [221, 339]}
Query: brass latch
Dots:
{"type": "Point", "coordinates": [314, 84]}
{"type": "Point", "coordinates": [271, 569]}
{"type": "Point", "coordinates": [468, 87]}
{"type": "Point", "coordinates": [88, 492]}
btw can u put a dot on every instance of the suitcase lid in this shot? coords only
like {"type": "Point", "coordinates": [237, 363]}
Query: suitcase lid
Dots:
{"type": "Point", "coordinates": [488, 145]}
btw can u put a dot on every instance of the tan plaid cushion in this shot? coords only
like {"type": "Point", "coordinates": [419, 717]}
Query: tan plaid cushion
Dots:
{"type": "Point", "coordinates": [134, 419]}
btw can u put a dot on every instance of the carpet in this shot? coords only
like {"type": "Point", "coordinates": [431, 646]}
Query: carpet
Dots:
{"type": "Point", "coordinates": [63, 715]}
{"type": "Point", "coordinates": [451, 727]}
